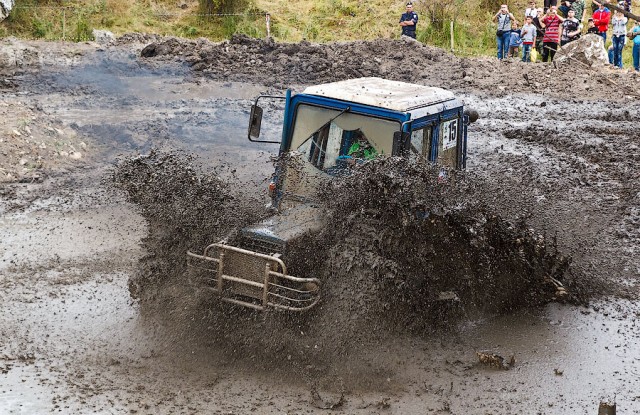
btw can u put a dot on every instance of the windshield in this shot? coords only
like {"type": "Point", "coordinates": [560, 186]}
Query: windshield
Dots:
{"type": "Point", "coordinates": [325, 135]}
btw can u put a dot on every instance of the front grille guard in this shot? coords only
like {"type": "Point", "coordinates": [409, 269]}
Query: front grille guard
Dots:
{"type": "Point", "coordinates": [259, 289]}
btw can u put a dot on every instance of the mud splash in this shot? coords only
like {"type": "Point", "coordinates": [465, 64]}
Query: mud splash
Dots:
{"type": "Point", "coordinates": [406, 251]}
{"type": "Point", "coordinates": [185, 209]}
{"type": "Point", "coordinates": [405, 238]}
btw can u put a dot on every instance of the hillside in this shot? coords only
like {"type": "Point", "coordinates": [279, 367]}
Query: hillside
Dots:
{"type": "Point", "coordinates": [312, 20]}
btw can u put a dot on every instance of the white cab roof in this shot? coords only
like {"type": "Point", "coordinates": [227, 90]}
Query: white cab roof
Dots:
{"type": "Point", "coordinates": [378, 92]}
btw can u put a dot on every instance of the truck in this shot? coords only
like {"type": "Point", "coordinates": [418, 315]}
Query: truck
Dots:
{"type": "Point", "coordinates": [327, 131]}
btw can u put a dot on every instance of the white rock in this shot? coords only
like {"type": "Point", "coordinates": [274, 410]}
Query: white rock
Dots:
{"type": "Point", "coordinates": [5, 8]}
{"type": "Point", "coordinates": [76, 155]}
{"type": "Point", "coordinates": [103, 37]}
{"type": "Point", "coordinates": [23, 162]}
{"type": "Point", "coordinates": [16, 132]}
{"type": "Point", "coordinates": [64, 154]}
{"type": "Point", "coordinates": [83, 145]}
{"type": "Point", "coordinates": [59, 131]}
{"type": "Point", "coordinates": [588, 50]}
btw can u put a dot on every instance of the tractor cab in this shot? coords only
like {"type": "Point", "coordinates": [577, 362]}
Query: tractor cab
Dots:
{"type": "Point", "coordinates": [327, 130]}
{"type": "Point", "coordinates": [330, 127]}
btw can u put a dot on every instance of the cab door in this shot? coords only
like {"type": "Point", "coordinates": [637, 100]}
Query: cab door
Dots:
{"type": "Point", "coordinates": [449, 147]}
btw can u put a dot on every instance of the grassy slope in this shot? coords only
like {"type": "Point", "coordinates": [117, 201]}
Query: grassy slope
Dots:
{"type": "Point", "coordinates": [314, 20]}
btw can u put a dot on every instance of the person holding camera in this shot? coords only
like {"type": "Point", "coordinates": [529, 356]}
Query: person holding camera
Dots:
{"type": "Point", "coordinates": [619, 32]}
{"type": "Point", "coordinates": [551, 24]}
{"type": "Point", "coordinates": [408, 22]}
{"type": "Point", "coordinates": [504, 19]}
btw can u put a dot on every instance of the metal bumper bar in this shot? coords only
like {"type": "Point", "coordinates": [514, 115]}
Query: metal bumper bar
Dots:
{"type": "Point", "coordinates": [253, 280]}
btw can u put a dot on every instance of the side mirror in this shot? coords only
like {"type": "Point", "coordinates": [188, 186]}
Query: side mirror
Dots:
{"type": "Point", "coordinates": [255, 122]}
{"type": "Point", "coordinates": [472, 114]}
{"type": "Point", "coordinates": [400, 142]}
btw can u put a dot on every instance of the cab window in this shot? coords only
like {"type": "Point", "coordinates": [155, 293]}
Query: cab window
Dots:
{"type": "Point", "coordinates": [421, 142]}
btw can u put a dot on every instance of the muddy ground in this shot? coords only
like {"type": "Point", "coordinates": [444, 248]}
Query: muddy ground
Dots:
{"type": "Point", "coordinates": [557, 151]}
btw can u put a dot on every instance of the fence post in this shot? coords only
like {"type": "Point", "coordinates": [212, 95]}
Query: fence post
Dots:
{"type": "Point", "coordinates": [268, 19]}
{"type": "Point", "coordinates": [451, 34]}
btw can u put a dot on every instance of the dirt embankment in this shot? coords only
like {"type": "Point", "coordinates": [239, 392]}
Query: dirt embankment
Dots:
{"type": "Point", "coordinates": [283, 64]}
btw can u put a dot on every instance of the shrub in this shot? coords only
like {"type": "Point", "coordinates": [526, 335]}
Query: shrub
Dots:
{"type": "Point", "coordinates": [222, 6]}
{"type": "Point", "coordinates": [40, 28]}
{"type": "Point", "coordinates": [190, 31]}
{"type": "Point", "coordinates": [82, 30]}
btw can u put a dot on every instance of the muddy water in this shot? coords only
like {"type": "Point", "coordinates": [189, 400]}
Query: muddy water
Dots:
{"type": "Point", "coordinates": [127, 108]}
{"type": "Point", "coordinates": [72, 340]}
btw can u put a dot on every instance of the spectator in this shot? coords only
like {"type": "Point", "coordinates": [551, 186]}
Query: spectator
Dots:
{"type": "Point", "coordinates": [551, 23]}
{"type": "Point", "coordinates": [634, 35]}
{"type": "Point", "coordinates": [619, 23]}
{"type": "Point", "coordinates": [532, 10]}
{"type": "Point", "coordinates": [515, 41]}
{"type": "Point", "coordinates": [591, 27]}
{"type": "Point", "coordinates": [627, 5]}
{"type": "Point", "coordinates": [578, 7]}
{"type": "Point", "coordinates": [610, 54]}
{"type": "Point", "coordinates": [408, 21]}
{"type": "Point", "coordinates": [570, 29]}
{"type": "Point", "coordinates": [548, 4]}
{"type": "Point", "coordinates": [504, 19]}
{"type": "Point", "coordinates": [565, 7]}
{"type": "Point", "coordinates": [601, 19]}
{"type": "Point", "coordinates": [537, 22]}
{"type": "Point", "coordinates": [528, 34]}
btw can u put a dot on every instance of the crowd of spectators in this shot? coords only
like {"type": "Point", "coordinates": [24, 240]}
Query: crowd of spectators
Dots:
{"type": "Point", "coordinates": [551, 26]}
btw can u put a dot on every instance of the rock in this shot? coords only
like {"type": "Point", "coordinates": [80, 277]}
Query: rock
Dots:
{"type": "Point", "coordinates": [76, 155]}
{"type": "Point", "coordinates": [589, 50]}
{"type": "Point", "coordinates": [14, 53]}
{"type": "Point", "coordinates": [5, 8]}
{"type": "Point", "coordinates": [103, 37]}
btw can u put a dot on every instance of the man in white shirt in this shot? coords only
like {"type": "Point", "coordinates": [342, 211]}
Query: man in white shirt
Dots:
{"type": "Point", "coordinates": [532, 10]}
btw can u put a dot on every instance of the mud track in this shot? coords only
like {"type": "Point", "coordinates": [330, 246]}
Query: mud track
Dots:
{"type": "Point", "coordinates": [560, 162]}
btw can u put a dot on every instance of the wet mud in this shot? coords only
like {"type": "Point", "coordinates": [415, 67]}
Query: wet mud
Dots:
{"type": "Point", "coordinates": [550, 191]}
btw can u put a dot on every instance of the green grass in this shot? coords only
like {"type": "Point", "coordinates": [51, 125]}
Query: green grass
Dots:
{"type": "Point", "coordinates": [314, 20]}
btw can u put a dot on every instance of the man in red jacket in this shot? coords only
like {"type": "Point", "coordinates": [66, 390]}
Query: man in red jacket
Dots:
{"type": "Point", "coordinates": [601, 20]}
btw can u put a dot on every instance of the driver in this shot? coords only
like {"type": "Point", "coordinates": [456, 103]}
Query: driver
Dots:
{"type": "Point", "coordinates": [361, 148]}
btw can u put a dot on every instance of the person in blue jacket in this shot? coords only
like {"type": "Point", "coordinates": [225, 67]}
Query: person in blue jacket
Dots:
{"type": "Point", "coordinates": [408, 21]}
{"type": "Point", "coordinates": [634, 35]}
